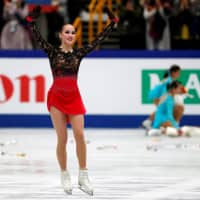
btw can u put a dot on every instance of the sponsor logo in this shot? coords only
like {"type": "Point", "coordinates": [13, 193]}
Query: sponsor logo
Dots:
{"type": "Point", "coordinates": [23, 86]}
{"type": "Point", "coordinates": [190, 78]}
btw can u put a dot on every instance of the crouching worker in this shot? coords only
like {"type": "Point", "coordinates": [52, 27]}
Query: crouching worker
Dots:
{"type": "Point", "coordinates": [164, 115]}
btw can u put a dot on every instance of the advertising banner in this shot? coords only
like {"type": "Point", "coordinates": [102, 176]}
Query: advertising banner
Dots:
{"type": "Point", "coordinates": [109, 86]}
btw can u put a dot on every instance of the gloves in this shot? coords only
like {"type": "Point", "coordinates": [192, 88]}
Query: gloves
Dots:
{"type": "Point", "coordinates": [34, 14]}
{"type": "Point", "coordinates": [111, 15]}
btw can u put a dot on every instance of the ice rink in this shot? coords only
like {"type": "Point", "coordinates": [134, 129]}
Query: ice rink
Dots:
{"type": "Point", "coordinates": [124, 164]}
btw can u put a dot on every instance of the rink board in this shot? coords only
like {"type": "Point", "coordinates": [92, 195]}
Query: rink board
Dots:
{"type": "Point", "coordinates": [91, 121]}
{"type": "Point", "coordinates": [114, 86]}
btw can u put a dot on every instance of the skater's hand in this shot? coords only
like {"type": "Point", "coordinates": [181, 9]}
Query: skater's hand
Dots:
{"type": "Point", "coordinates": [111, 15]}
{"type": "Point", "coordinates": [34, 14]}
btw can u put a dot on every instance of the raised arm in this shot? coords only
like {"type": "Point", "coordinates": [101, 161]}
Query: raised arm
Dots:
{"type": "Point", "coordinates": [99, 38]}
{"type": "Point", "coordinates": [43, 44]}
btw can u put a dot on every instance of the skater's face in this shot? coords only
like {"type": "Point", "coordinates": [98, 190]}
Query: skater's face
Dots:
{"type": "Point", "coordinates": [175, 74]}
{"type": "Point", "coordinates": [68, 35]}
{"type": "Point", "coordinates": [176, 90]}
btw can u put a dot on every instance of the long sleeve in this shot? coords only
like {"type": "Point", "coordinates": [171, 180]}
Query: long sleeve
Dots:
{"type": "Point", "coordinates": [91, 46]}
{"type": "Point", "coordinates": [43, 44]}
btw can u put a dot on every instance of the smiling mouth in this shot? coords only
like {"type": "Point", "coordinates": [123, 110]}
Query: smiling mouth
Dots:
{"type": "Point", "coordinates": [70, 39]}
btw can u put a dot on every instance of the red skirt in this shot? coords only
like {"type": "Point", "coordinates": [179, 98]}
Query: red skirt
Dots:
{"type": "Point", "coordinates": [64, 95]}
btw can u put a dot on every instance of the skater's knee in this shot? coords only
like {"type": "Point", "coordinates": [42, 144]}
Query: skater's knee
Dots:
{"type": "Point", "coordinates": [178, 109]}
{"type": "Point", "coordinates": [79, 136]}
{"type": "Point", "coordinates": [178, 112]}
{"type": "Point", "coordinates": [62, 141]}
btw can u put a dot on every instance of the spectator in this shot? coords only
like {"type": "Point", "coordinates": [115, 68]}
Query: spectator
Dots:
{"type": "Point", "coordinates": [195, 24]}
{"type": "Point", "coordinates": [1, 15]}
{"type": "Point", "coordinates": [14, 35]}
{"type": "Point", "coordinates": [73, 9]}
{"type": "Point", "coordinates": [132, 25]}
{"type": "Point", "coordinates": [184, 18]}
{"type": "Point", "coordinates": [185, 24]}
{"type": "Point", "coordinates": [156, 13]}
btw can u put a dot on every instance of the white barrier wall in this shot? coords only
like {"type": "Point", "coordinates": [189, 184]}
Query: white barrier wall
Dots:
{"type": "Point", "coordinates": [116, 86]}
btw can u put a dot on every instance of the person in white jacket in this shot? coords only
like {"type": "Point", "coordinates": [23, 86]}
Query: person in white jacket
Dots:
{"type": "Point", "coordinates": [156, 14]}
{"type": "Point", "coordinates": [14, 35]}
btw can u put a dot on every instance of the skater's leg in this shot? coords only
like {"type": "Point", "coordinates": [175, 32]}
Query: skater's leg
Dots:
{"type": "Point", "coordinates": [159, 131]}
{"type": "Point", "coordinates": [77, 123]}
{"type": "Point", "coordinates": [178, 112]}
{"type": "Point", "coordinates": [151, 117]}
{"type": "Point", "coordinates": [148, 122]}
{"type": "Point", "coordinates": [59, 123]}
{"type": "Point", "coordinates": [84, 182]}
{"type": "Point", "coordinates": [169, 130]}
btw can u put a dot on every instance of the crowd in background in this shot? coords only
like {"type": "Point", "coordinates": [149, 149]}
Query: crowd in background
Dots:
{"type": "Point", "coordinates": [15, 32]}
{"type": "Point", "coordinates": [160, 24]}
{"type": "Point", "coordinates": [144, 24]}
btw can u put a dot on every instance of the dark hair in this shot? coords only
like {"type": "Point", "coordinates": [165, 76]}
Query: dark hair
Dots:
{"type": "Point", "coordinates": [173, 85]}
{"type": "Point", "coordinates": [166, 74]}
{"type": "Point", "coordinates": [174, 68]}
{"type": "Point", "coordinates": [60, 28]}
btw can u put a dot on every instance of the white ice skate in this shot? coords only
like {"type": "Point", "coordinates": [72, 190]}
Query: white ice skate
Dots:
{"type": "Point", "coordinates": [66, 182]}
{"type": "Point", "coordinates": [84, 182]}
{"type": "Point", "coordinates": [147, 124]}
{"type": "Point", "coordinates": [154, 132]}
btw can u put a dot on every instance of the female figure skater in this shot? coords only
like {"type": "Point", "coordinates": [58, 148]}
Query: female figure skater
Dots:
{"type": "Point", "coordinates": [160, 89]}
{"type": "Point", "coordinates": [164, 115]}
{"type": "Point", "coordinates": [64, 101]}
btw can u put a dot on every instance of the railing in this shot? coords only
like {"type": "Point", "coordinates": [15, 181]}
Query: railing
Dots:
{"type": "Point", "coordinates": [96, 7]}
{"type": "Point", "coordinates": [78, 26]}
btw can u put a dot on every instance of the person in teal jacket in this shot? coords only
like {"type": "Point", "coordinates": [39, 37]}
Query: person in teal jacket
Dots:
{"type": "Point", "coordinates": [164, 115]}
{"type": "Point", "coordinates": [159, 90]}
{"type": "Point", "coordinates": [172, 74]}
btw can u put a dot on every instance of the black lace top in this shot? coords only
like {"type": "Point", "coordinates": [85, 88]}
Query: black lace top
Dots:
{"type": "Point", "coordinates": [67, 64]}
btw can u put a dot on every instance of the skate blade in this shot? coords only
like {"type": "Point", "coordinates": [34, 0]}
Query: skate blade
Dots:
{"type": "Point", "coordinates": [91, 193]}
{"type": "Point", "coordinates": [69, 192]}
{"type": "Point", "coordinates": [145, 127]}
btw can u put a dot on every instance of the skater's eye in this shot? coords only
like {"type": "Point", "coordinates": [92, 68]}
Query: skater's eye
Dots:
{"type": "Point", "coordinates": [72, 32]}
